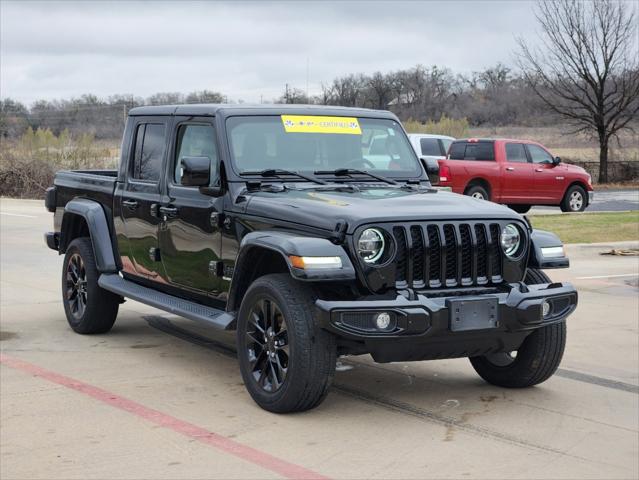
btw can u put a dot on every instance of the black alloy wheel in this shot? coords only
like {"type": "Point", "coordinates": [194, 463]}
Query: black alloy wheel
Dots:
{"type": "Point", "coordinates": [76, 285]}
{"type": "Point", "coordinates": [267, 344]}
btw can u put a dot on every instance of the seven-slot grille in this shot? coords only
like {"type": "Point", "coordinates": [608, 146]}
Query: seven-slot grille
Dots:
{"type": "Point", "coordinates": [439, 255]}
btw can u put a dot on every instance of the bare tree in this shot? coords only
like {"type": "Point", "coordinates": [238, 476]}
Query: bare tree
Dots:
{"type": "Point", "coordinates": [586, 68]}
{"type": "Point", "coordinates": [380, 89]}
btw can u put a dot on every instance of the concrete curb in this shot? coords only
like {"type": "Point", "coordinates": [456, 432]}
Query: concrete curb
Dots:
{"type": "Point", "coordinates": [604, 245]}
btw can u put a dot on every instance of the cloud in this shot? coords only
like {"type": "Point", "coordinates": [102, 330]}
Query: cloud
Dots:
{"type": "Point", "coordinates": [247, 50]}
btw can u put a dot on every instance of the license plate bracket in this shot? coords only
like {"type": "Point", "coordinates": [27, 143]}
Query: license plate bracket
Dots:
{"type": "Point", "coordinates": [473, 313]}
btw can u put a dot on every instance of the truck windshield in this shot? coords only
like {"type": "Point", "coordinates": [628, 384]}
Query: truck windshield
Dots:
{"type": "Point", "coordinates": [305, 143]}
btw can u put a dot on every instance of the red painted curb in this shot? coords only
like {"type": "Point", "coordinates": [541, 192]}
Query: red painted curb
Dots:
{"type": "Point", "coordinates": [249, 454]}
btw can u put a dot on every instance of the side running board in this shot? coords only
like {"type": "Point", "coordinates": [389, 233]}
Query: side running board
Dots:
{"type": "Point", "coordinates": [184, 308]}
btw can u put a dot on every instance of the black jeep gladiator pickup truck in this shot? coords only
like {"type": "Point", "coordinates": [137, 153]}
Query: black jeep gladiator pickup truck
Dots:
{"type": "Point", "coordinates": [279, 222]}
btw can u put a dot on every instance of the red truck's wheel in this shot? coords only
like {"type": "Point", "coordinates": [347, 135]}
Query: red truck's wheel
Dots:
{"type": "Point", "coordinates": [477, 191]}
{"type": "Point", "coordinates": [287, 361]}
{"type": "Point", "coordinates": [575, 200]}
{"type": "Point", "coordinates": [89, 308]}
{"type": "Point", "coordinates": [535, 361]}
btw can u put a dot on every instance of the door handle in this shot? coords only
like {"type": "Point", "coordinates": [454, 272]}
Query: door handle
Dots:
{"type": "Point", "coordinates": [539, 169]}
{"type": "Point", "coordinates": [169, 211]}
{"type": "Point", "coordinates": [510, 169]}
{"type": "Point", "coordinates": [130, 204]}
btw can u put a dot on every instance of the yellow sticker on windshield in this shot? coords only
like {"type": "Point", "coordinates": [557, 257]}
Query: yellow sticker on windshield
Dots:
{"type": "Point", "coordinates": [317, 124]}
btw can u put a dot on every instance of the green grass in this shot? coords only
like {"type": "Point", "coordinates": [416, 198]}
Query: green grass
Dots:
{"type": "Point", "coordinates": [590, 227]}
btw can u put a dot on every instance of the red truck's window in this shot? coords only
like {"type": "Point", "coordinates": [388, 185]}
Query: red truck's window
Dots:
{"type": "Point", "coordinates": [483, 151]}
{"type": "Point", "coordinates": [515, 152]}
{"type": "Point", "coordinates": [539, 155]}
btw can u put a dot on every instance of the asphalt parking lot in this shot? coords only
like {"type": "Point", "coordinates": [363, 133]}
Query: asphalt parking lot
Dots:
{"type": "Point", "coordinates": [161, 397]}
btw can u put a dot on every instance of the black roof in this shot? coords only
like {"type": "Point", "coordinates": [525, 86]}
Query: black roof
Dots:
{"type": "Point", "coordinates": [204, 109]}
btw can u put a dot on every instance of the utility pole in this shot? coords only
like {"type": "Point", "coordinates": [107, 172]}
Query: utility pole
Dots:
{"type": "Point", "coordinates": [286, 93]}
{"type": "Point", "coordinates": [307, 67]}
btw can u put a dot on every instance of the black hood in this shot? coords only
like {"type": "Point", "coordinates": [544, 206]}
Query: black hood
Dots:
{"type": "Point", "coordinates": [321, 208]}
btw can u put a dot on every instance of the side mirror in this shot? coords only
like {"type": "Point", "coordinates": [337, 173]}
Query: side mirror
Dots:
{"type": "Point", "coordinates": [432, 169]}
{"type": "Point", "coordinates": [196, 171]}
{"type": "Point", "coordinates": [556, 161]}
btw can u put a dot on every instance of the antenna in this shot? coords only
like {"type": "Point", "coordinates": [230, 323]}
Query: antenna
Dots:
{"type": "Point", "coordinates": [307, 68]}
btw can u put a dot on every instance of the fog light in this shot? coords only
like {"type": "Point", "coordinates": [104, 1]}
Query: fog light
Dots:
{"type": "Point", "coordinates": [545, 308]}
{"type": "Point", "coordinates": [382, 320]}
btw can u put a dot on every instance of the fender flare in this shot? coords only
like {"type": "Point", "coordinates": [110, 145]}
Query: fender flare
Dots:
{"type": "Point", "coordinates": [287, 244]}
{"type": "Point", "coordinates": [546, 251]}
{"type": "Point", "coordinates": [96, 221]}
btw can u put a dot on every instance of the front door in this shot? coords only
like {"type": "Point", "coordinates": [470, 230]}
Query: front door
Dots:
{"type": "Point", "coordinates": [139, 197]}
{"type": "Point", "coordinates": [549, 180]}
{"type": "Point", "coordinates": [189, 234]}
{"type": "Point", "coordinates": [517, 175]}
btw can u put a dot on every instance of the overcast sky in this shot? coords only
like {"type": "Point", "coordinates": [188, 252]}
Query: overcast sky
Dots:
{"type": "Point", "coordinates": [247, 50]}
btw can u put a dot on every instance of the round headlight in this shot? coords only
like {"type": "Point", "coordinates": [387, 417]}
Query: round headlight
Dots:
{"type": "Point", "coordinates": [510, 240]}
{"type": "Point", "coordinates": [370, 245]}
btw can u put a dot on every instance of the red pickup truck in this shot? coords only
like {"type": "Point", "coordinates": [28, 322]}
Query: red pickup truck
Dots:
{"type": "Point", "coordinates": [518, 173]}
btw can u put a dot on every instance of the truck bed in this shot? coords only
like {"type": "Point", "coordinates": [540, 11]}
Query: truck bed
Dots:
{"type": "Point", "coordinates": [98, 185]}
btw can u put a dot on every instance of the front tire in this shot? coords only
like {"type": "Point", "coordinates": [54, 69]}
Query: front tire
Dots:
{"type": "Point", "coordinates": [89, 308]}
{"type": "Point", "coordinates": [535, 361]}
{"type": "Point", "coordinates": [287, 362]}
{"type": "Point", "coordinates": [575, 200]}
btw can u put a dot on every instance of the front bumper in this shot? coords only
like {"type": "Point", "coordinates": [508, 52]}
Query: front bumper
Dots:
{"type": "Point", "coordinates": [426, 327]}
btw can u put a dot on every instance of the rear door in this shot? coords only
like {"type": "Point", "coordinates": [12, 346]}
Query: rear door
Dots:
{"type": "Point", "coordinates": [139, 197]}
{"type": "Point", "coordinates": [469, 160]}
{"type": "Point", "coordinates": [189, 234]}
{"type": "Point", "coordinates": [549, 181]}
{"type": "Point", "coordinates": [517, 175]}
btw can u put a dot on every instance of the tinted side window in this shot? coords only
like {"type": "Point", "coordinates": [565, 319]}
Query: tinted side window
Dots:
{"type": "Point", "coordinates": [430, 146]}
{"type": "Point", "coordinates": [480, 151]}
{"type": "Point", "coordinates": [539, 155]}
{"type": "Point", "coordinates": [457, 150]}
{"type": "Point", "coordinates": [149, 151]}
{"type": "Point", "coordinates": [483, 151]}
{"type": "Point", "coordinates": [446, 144]}
{"type": "Point", "coordinates": [515, 152]}
{"type": "Point", "coordinates": [195, 141]}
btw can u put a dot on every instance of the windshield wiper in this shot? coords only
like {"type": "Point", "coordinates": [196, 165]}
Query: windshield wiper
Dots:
{"type": "Point", "coordinates": [277, 172]}
{"type": "Point", "coordinates": [343, 172]}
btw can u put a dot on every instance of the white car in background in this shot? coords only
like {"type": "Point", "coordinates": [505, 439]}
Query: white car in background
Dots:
{"type": "Point", "coordinates": [432, 147]}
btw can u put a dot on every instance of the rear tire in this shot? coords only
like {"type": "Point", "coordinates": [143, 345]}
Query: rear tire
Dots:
{"type": "Point", "coordinates": [575, 200]}
{"type": "Point", "coordinates": [535, 361]}
{"type": "Point", "coordinates": [89, 308]}
{"type": "Point", "coordinates": [287, 361]}
{"type": "Point", "coordinates": [477, 191]}
{"type": "Point", "coordinates": [519, 208]}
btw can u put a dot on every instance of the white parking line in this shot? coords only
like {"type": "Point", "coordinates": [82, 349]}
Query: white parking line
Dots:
{"type": "Point", "coordinates": [609, 276]}
{"type": "Point", "coordinates": [17, 215]}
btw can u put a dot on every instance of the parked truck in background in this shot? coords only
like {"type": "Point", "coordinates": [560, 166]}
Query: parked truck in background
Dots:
{"type": "Point", "coordinates": [518, 173]}
{"type": "Point", "coordinates": [430, 146]}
